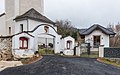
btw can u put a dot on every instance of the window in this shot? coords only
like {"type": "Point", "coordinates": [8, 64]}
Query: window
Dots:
{"type": "Point", "coordinates": [9, 30]}
{"type": "Point", "coordinates": [21, 27]}
{"type": "Point", "coordinates": [68, 44]}
{"type": "Point", "coordinates": [46, 28]}
{"type": "Point", "coordinates": [23, 43]}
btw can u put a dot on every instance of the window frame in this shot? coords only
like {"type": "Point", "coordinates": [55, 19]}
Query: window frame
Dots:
{"type": "Point", "coordinates": [10, 30]}
{"type": "Point", "coordinates": [21, 28]}
{"type": "Point", "coordinates": [22, 43]}
{"type": "Point", "coordinates": [68, 44]}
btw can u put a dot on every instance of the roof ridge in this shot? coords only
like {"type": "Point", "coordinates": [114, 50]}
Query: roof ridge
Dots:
{"type": "Point", "coordinates": [89, 27]}
{"type": "Point", "coordinates": [109, 30]}
{"type": "Point", "coordinates": [102, 28]}
{"type": "Point", "coordinates": [106, 28]}
{"type": "Point", "coordinates": [34, 14]}
{"type": "Point", "coordinates": [29, 11]}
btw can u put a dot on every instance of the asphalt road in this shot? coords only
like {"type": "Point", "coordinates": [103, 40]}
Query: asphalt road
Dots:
{"type": "Point", "coordinates": [57, 65]}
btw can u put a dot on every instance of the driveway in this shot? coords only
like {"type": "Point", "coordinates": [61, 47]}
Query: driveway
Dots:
{"type": "Point", "coordinates": [57, 65]}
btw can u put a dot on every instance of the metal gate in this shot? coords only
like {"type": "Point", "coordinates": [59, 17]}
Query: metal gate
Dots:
{"type": "Point", "coordinates": [46, 45]}
{"type": "Point", "coordinates": [87, 51]}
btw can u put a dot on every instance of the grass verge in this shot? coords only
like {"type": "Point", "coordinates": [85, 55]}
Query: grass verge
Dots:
{"type": "Point", "coordinates": [94, 54]}
{"type": "Point", "coordinates": [45, 51]}
{"type": "Point", "coordinates": [105, 60]}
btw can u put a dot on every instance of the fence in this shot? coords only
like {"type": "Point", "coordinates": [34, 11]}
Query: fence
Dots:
{"type": "Point", "coordinates": [112, 52]}
{"type": "Point", "coordinates": [109, 52]}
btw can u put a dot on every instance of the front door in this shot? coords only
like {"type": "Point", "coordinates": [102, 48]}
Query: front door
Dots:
{"type": "Point", "coordinates": [96, 41]}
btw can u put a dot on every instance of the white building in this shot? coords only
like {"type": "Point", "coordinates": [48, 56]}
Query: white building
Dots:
{"type": "Point", "coordinates": [67, 45]}
{"type": "Point", "coordinates": [97, 35]}
{"type": "Point", "coordinates": [29, 28]}
{"type": "Point", "coordinates": [14, 8]}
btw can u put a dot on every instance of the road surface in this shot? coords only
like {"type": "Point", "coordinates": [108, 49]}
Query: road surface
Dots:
{"type": "Point", "coordinates": [57, 65]}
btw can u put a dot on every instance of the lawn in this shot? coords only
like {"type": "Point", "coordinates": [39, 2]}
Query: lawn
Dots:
{"type": "Point", "coordinates": [94, 54]}
{"type": "Point", "coordinates": [44, 51]}
{"type": "Point", "coordinates": [108, 61]}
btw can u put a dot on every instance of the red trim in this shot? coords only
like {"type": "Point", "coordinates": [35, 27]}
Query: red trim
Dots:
{"type": "Point", "coordinates": [23, 44]}
{"type": "Point", "coordinates": [100, 39]}
{"type": "Point", "coordinates": [93, 41]}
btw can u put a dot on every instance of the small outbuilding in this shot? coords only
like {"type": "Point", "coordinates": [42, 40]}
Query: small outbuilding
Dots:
{"type": "Point", "coordinates": [97, 35]}
{"type": "Point", "coordinates": [67, 45]}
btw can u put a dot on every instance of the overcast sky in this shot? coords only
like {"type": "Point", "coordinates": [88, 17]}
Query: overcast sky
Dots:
{"type": "Point", "coordinates": [82, 13]}
{"type": "Point", "coordinates": [1, 6]}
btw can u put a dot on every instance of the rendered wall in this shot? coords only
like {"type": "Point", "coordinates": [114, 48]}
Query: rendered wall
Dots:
{"type": "Point", "coordinates": [104, 38]}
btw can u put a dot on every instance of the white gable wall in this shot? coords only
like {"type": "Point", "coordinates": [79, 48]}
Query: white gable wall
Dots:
{"type": "Point", "coordinates": [32, 24]}
{"type": "Point", "coordinates": [40, 31]}
{"type": "Point", "coordinates": [64, 42]}
{"type": "Point", "coordinates": [29, 25]}
{"type": "Point", "coordinates": [64, 48]}
{"type": "Point", "coordinates": [17, 52]}
{"type": "Point", "coordinates": [69, 38]}
{"type": "Point", "coordinates": [104, 38]}
{"type": "Point", "coordinates": [17, 26]}
{"type": "Point", "coordinates": [16, 38]}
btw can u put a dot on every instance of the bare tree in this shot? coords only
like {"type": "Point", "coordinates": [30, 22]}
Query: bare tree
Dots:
{"type": "Point", "coordinates": [115, 41]}
{"type": "Point", "coordinates": [65, 28]}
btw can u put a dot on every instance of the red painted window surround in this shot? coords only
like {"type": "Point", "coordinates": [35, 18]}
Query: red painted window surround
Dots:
{"type": "Point", "coordinates": [23, 45]}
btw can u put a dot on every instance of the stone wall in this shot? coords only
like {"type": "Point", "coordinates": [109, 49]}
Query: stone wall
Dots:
{"type": "Point", "coordinates": [112, 52]}
{"type": "Point", "coordinates": [5, 48]}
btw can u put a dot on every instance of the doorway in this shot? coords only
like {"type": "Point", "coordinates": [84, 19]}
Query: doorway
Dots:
{"type": "Point", "coordinates": [96, 41]}
{"type": "Point", "coordinates": [46, 44]}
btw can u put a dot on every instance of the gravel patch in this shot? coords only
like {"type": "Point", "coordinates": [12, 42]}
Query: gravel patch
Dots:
{"type": "Point", "coordinates": [6, 64]}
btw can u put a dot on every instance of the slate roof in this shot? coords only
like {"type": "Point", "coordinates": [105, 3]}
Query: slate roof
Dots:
{"type": "Point", "coordinates": [35, 15]}
{"type": "Point", "coordinates": [107, 31]}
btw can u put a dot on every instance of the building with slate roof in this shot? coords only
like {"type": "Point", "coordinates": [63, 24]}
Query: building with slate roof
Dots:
{"type": "Point", "coordinates": [30, 30]}
{"type": "Point", "coordinates": [96, 35]}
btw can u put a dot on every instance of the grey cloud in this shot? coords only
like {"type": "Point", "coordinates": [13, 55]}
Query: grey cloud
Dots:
{"type": "Point", "coordinates": [84, 13]}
